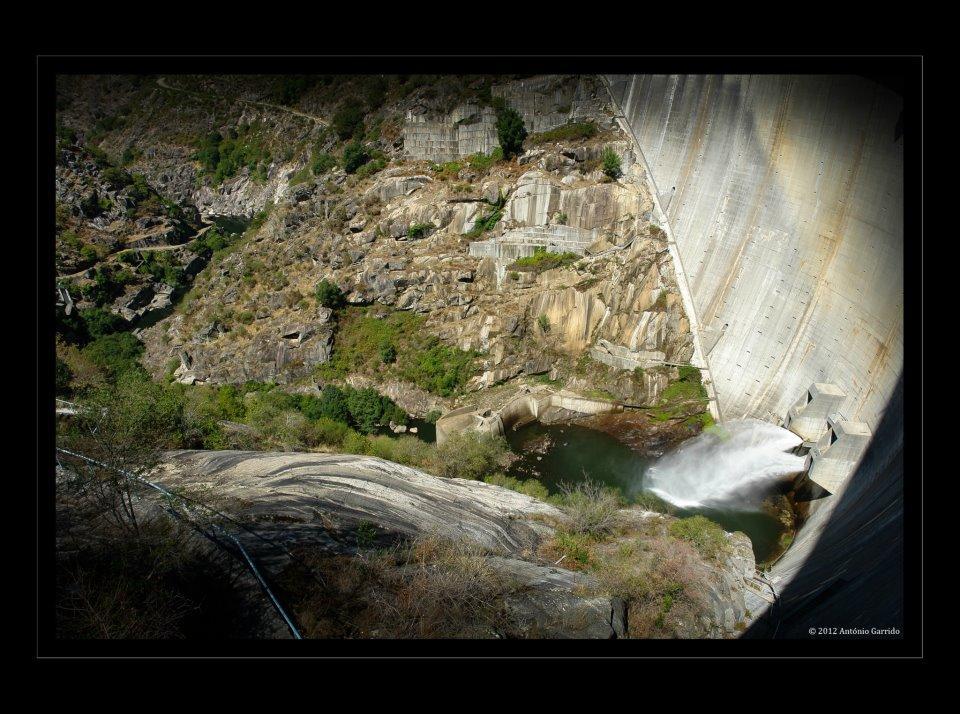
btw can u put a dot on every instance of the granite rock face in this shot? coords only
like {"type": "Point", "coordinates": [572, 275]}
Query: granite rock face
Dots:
{"type": "Point", "coordinates": [323, 500]}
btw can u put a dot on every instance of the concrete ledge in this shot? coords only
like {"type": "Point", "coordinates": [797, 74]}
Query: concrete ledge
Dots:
{"type": "Point", "coordinates": [529, 404]}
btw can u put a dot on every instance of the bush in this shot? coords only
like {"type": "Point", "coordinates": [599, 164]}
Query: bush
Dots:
{"type": "Point", "coordinates": [530, 487]}
{"type": "Point", "coordinates": [542, 260]}
{"type": "Point", "coordinates": [567, 132]}
{"type": "Point", "coordinates": [366, 409]}
{"type": "Point", "coordinates": [354, 156]}
{"type": "Point", "coordinates": [610, 163]}
{"type": "Point", "coordinates": [705, 535]}
{"type": "Point", "coordinates": [63, 377]}
{"type": "Point", "coordinates": [388, 353]}
{"type": "Point", "coordinates": [100, 322]}
{"type": "Point", "coordinates": [482, 162]}
{"type": "Point", "coordinates": [420, 357]}
{"type": "Point", "coordinates": [116, 178]}
{"type": "Point", "coordinates": [471, 455]}
{"type": "Point", "coordinates": [322, 162]}
{"type": "Point", "coordinates": [440, 369]}
{"type": "Point", "coordinates": [510, 132]}
{"type": "Point", "coordinates": [374, 91]}
{"type": "Point", "coordinates": [544, 322]}
{"type": "Point", "coordinates": [115, 353]}
{"type": "Point", "coordinates": [592, 508]}
{"type": "Point", "coordinates": [419, 230]}
{"type": "Point", "coordinates": [347, 120]}
{"type": "Point", "coordinates": [330, 295]}
{"type": "Point", "coordinates": [327, 431]}
{"type": "Point", "coordinates": [333, 404]}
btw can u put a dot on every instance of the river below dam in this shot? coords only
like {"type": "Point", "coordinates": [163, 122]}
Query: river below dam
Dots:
{"type": "Point", "coordinates": [555, 454]}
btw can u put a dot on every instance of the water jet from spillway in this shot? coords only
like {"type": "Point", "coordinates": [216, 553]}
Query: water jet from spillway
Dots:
{"type": "Point", "coordinates": [729, 466]}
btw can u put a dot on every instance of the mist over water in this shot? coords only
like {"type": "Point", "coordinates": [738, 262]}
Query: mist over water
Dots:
{"type": "Point", "coordinates": [730, 467]}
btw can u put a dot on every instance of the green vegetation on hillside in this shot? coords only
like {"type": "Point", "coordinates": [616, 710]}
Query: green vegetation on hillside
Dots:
{"type": "Point", "coordinates": [364, 334]}
{"type": "Point", "coordinates": [705, 535]}
{"type": "Point", "coordinates": [510, 131]}
{"type": "Point", "coordinates": [567, 132]}
{"type": "Point", "coordinates": [222, 157]}
{"type": "Point", "coordinates": [542, 260]}
{"type": "Point", "coordinates": [610, 163]}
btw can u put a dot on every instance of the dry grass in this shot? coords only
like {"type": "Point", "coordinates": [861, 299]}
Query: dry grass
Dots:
{"type": "Point", "coordinates": [428, 588]}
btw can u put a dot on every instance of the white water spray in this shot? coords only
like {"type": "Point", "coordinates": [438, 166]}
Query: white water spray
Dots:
{"type": "Point", "coordinates": [728, 466]}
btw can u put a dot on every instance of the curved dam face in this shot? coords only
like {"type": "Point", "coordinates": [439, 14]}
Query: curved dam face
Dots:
{"type": "Point", "coordinates": [784, 196]}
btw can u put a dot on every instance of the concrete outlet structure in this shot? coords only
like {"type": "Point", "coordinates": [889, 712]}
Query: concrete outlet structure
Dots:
{"type": "Point", "coordinates": [835, 455]}
{"type": "Point", "coordinates": [808, 417]}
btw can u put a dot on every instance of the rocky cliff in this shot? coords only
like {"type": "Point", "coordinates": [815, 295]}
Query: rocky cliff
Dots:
{"type": "Point", "coordinates": [401, 237]}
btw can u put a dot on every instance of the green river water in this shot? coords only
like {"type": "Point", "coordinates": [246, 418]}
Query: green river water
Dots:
{"type": "Point", "coordinates": [559, 453]}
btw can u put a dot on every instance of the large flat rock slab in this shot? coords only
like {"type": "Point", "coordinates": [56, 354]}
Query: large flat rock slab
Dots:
{"type": "Point", "coordinates": [308, 496]}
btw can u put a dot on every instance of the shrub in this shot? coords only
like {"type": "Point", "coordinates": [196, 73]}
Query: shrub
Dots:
{"type": "Point", "coordinates": [542, 260]}
{"type": "Point", "coordinates": [610, 163]}
{"type": "Point", "coordinates": [322, 162]}
{"type": "Point", "coordinates": [420, 357]}
{"type": "Point", "coordinates": [327, 431]}
{"type": "Point", "coordinates": [470, 455]}
{"type": "Point", "coordinates": [531, 486]}
{"type": "Point", "coordinates": [431, 416]}
{"type": "Point", "coordinates": [388, 353]}
{"type": "Point", "coordinates": [116, 178]}
{"type": "Point", "coordinates": [575, 546]}
{"type": "Point", "coordinates": [567, 132]}
{"type": "Point", "coordinates": [347, 120]}
{"type": "Point", "coordinates": [354, 156]}
{"type": "Point", "coordinates": [419, 230]}
{"type": "Point", "coordinates": [544, 322]}
{"type": "Point", "coordinates": [705, 535]}
{"type": "Point", "coordinates": [371, 167]}
{"type": "Point", "coordinates": [333, 404]}
{"type": "Point", "coordinates": [592, 508]}
{"type": "Point", "coordinates": [482, 162]}
{"type": "Point", "coordinates": [510, 131]}
{"type": "Point", "coordinates": [329, 295]}
{"type": "Point", "coordinates": [100, 322]}
{"type": "Point", "coordinates": [366, 409]}
{"type": "Point", "coordinates": [374, 91]}
{"type": "Point", "coordinates": [440, 369]}
{"type": "Point", "coordinates": [63, 377]}
{"type": "Point", "coordinates": [115, 353]}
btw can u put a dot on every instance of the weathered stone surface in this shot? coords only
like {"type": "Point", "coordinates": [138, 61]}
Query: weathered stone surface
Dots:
{"type": "Point", "coordinates": [306, 493]}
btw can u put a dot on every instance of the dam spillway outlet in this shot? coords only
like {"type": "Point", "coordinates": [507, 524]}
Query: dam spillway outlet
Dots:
{"type": "Point", "coordinates": [732, 466]}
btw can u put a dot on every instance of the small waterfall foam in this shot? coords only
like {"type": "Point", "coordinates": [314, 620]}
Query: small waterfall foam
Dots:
{"type": "Point", "coordinates": [728, 466]}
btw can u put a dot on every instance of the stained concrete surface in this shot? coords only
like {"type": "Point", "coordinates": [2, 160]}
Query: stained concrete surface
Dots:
{"type": "Point", "coordinates": [784, 196]}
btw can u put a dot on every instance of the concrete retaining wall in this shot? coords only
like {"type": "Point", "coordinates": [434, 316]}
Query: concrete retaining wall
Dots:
{"type": "Point", "coordinates": [528, 405]}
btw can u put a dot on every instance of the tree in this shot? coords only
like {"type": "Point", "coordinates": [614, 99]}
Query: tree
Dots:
{"type": "Point", "coordinates": [330, 295]}
{"type": "Point", "coordinates": [510, 131]}
{"type": "Point", "coordinates": [347, 120]}
{"type": "Point", "coordinates": [611, 163]}
{"type": "Point", "coordinates": [354, 156]}
{"type": "Point", "coordinates": [331, 404]}
{"type": "Point", "coordinates": [388, 353]}
{"type": "Point", "coordinates": [115, 354]}
{"type": "Point", "coordinates": [124, 425]}
{"type": "Point", "coordinates": [101, 322]}
{"type": "Point", "coordinates": [366, 409]}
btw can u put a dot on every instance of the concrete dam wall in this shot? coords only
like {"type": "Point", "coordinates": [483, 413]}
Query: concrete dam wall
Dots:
{"type": "Point", "coordinates": [784, 196]}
